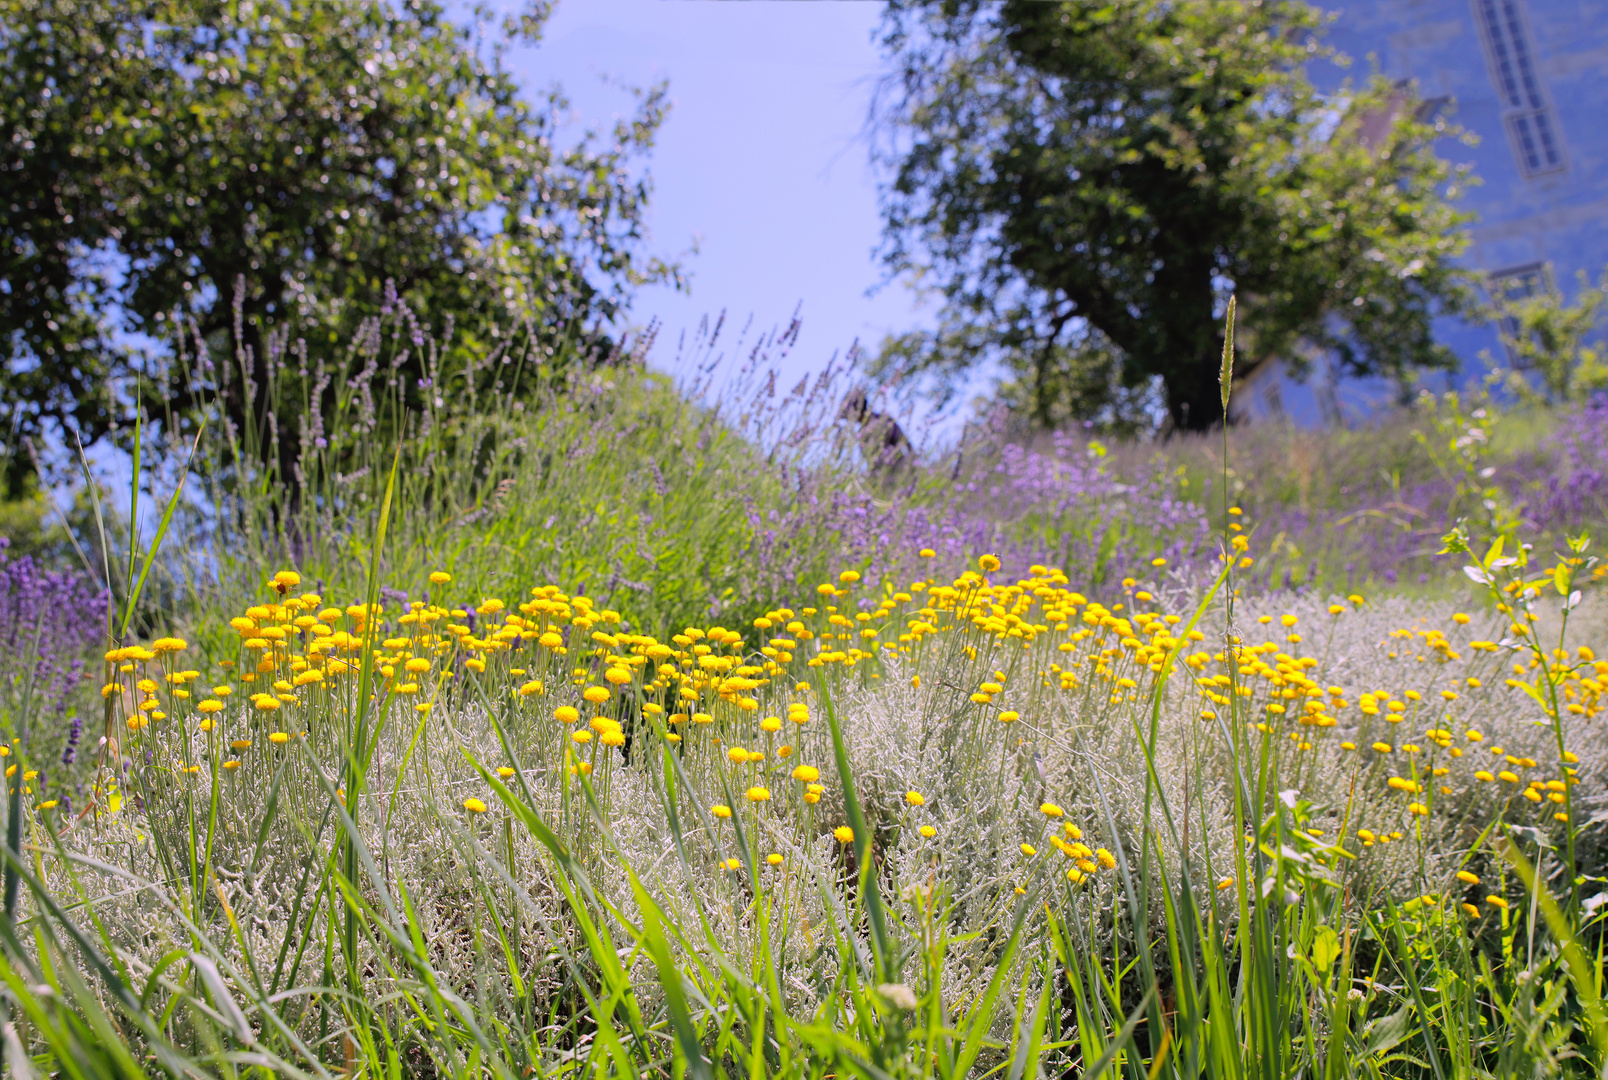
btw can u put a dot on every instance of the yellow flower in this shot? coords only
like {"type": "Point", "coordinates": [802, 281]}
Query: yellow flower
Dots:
{"type": "Point", "coordinates": [927, 553]}
{"type": "Point", "coordinates": [1009, 716]}
{"type": "Point", "coordinates": [505, 772]}
{"type": "Point", "coordinates": [169, 644]}
{"type": "Point", "coordinates": [279, 737]}
{"type": "Point", "coordinates": [240, 744]}
{"type": "Point", "coordinates": [774, 859]}
{"type": "Point", "coordinates": [988, 563]}
{"type": "Point", "coordinates": [582, 736]}
{"type": "Point", "coordinates": [566, 714]}
{"type": "Point", "coordinates": [439, 578]}
{"type": "Point", "coordinates": [617, 675]}
{"type": "Point", "coordinates": [418, 665]}
{"type": "Point", "coordinates": [1497, 902]}
{"type": "Point", "coordinates": [1050, 810]}
{"type": "Point", "coordinates": [843, 834]}
{"type": "Point", "coordinates": [849, 577]}
{"type": "Point", "coordinates": [1470, 910]}
{"type": "Point", "coordinates": [928, 831]}
{"type": "Point", "coordinates": [530, 688]}
{"type": "Point", "coordinates": [1107, 859]}
{"type": "Point", "coordinates": [550, 640]}
{"type": "Point", "coordinates": [209, 706]}
{"type": "Point", "coordinates": [758, 794]}
{"type": "Point", "coordinates": [1468, 878]}
{"type": "Point", "coordinates": [597, 695]}
{"type": "Point", "coordinates": [1029, 850]}
{"type": "Point", "coordinates": [914, 798]}
{"type": "Point", "coordinates": [771, 724]}
{"type": "Point", "coordinates": [806, 773]}
{"type": "Point", "coordinates": [474, 806]}
{"type": "Point", "coordinates": [732, 864]}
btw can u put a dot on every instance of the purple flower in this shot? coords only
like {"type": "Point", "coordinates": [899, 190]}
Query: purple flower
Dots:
{"type": "Point", "coordinates": [49, 621]}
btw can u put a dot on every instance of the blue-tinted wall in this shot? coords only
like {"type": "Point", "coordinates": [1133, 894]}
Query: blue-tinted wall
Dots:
{"type": "Point", "coordinates": [1530, 79]}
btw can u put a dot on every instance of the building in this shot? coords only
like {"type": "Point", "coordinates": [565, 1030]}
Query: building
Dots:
{"type": "Point", "coordinates": [1530, 79]}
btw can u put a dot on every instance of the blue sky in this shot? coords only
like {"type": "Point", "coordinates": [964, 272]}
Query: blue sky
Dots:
{"type": "Point", "coordinates": [762, 163]}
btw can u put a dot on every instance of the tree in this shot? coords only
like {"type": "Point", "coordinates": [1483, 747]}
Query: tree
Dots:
{"type": "Point", "coordinates": [1087, 182]}
{"type": "Point", "coordinates": [1546, 334]}
{"type": "Point", "coordinates": [221, 169]}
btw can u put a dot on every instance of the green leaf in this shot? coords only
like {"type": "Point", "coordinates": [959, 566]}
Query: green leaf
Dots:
{"type": "Point", "coordinates": [1325, 948]}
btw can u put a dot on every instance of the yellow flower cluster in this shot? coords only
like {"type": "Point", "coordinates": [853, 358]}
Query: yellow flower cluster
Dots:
{"type": "Point", "coordinates": [585, 685]}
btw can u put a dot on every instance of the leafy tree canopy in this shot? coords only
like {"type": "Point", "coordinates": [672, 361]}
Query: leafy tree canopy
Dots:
{"type": "Point", "coordinates": [220, 168]}
{"type": "Point", "coordinates": [1087, 182]}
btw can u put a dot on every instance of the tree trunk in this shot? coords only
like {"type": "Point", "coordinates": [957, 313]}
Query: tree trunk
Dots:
{"type": "Point", "coordinates": [1194, 399]}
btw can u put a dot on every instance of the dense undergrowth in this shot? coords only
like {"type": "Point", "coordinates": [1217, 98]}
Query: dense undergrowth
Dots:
{"type": "Point", "coordinates": [627, 726]}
